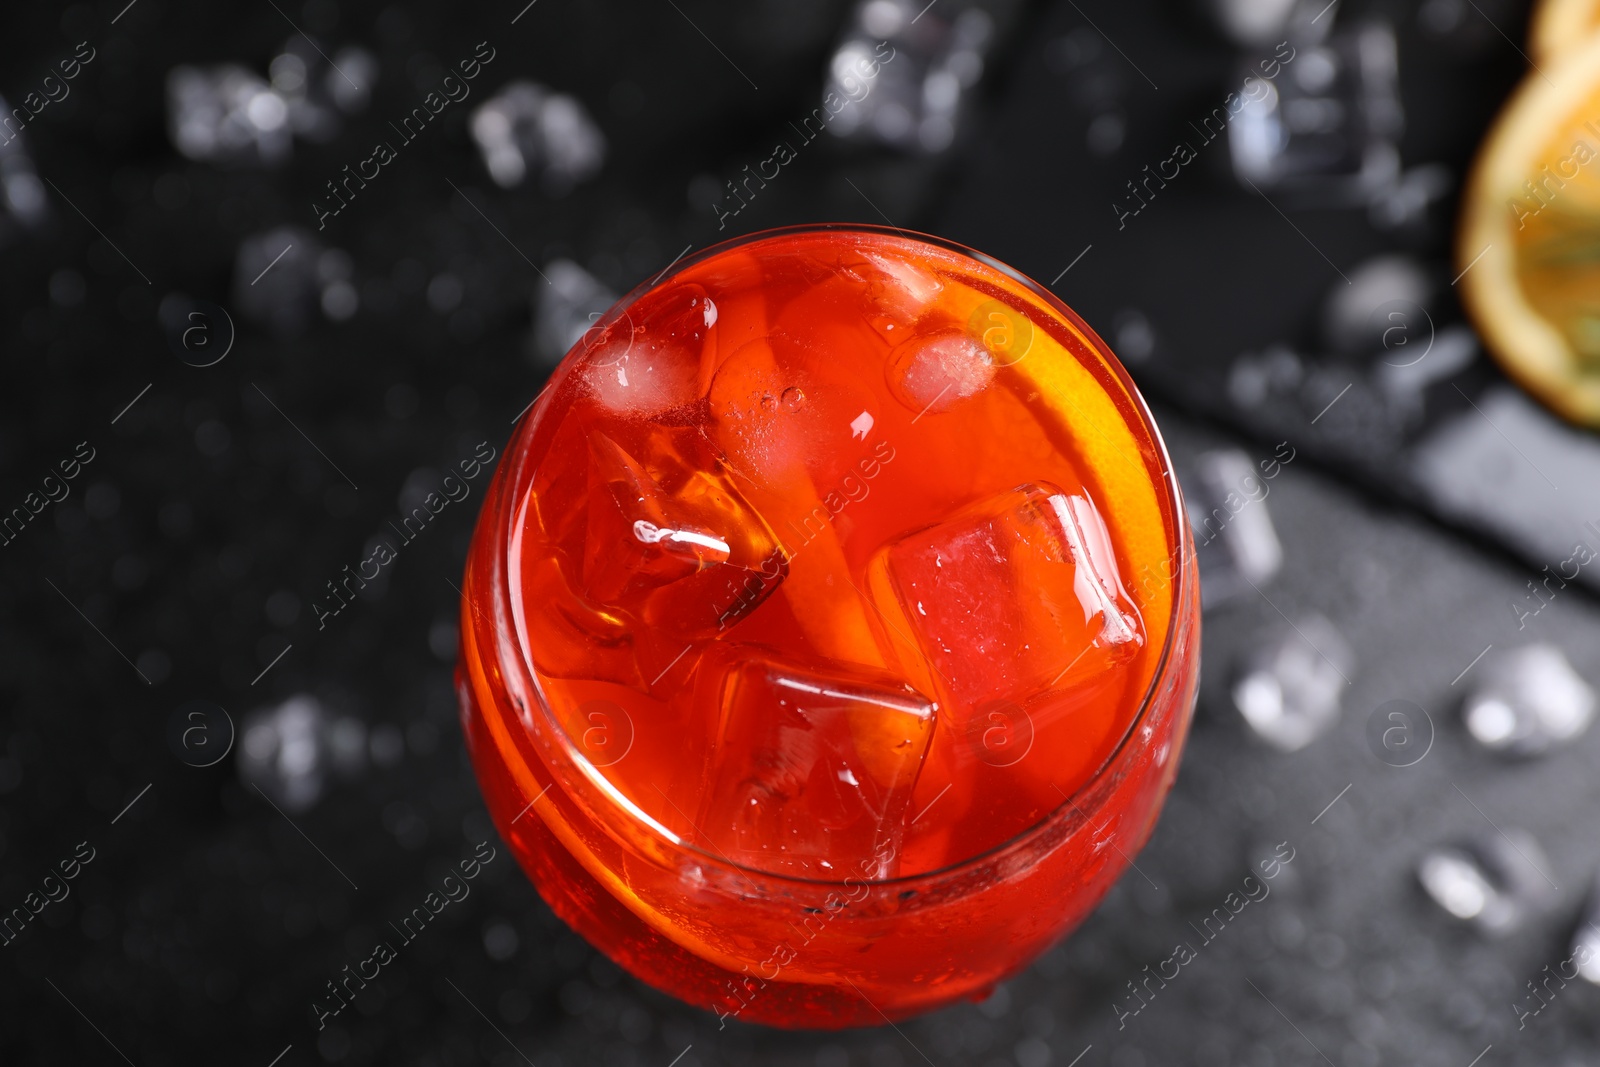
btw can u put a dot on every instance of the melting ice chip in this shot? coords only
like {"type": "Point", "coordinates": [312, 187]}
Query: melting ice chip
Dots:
{"type": "Point", "coordinates": [1529, 701]}
{"type": "Point", "coordinates": [1495, 882]}
{"type": "Point", "coordinates": [812, 768]}
{"type": "Point", "coordinates": [1014, 596]}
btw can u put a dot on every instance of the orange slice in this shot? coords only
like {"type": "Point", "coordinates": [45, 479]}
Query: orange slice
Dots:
{"type": "Point", "coordinates": [1529, 240]}
{"type": "Point", "coordinates": [1560, 26]}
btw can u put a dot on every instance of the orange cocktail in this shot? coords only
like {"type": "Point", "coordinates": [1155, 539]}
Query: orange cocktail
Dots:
{"type": "Point", "coordinates": [831, 628]}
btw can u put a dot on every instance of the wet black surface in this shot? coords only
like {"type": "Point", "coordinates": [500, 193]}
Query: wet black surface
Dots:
{"type": "Point", "coordinates": [188, 554]}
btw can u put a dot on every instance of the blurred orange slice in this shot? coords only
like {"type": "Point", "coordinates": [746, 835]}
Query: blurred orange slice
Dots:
{"type": "Point", "coordinates": [1560, 26]}
{"type": "Point", "coordinates": [1529, 242]}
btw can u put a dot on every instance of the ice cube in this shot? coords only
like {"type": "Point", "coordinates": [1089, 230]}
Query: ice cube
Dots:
{"type": "Point", "coordinates": [288, 751]}
{"type": "Point", "coordinates": [1234, 537]}
{"type": "Point", "coordinates": [906, 75]}
{"type": "Point", "coordinates": [566, 309]}
{"type": "Point", "coordinates": [1586, 940]}
{"type": "Point", "coordinates": [931, 373]}
{"type": "Point", "coordinates": [1495, 881]}
{"type": "Point", "coordinates": [1009, 598]}
{"type": "Point", "coordinates": [1328, 130]}
{"type": "Point", "coordinates": [787, 417]}
{"type": "Point", "coordinates": [1252, 23]}
{"type": "Point", "coordinates": [1289, 692]}
{"type": "Point", "coordinates": [901, 294]}
{"type": "Point", "coordinates": [1529, 701]}
{"type": "Point", "coordinates": [670, 539]}
{"type": "Point", "coordinates": [801, 437]}
{"type": "Point", "coordinates": [812, 767]}
{"type": "Point", "coordinates": [648, 360]}
{"type": "Point", "coordinates": [1383, 309]}
{"type": "Point", "coordinates": [317, 89]}
{"type": "Point", "coordinates": [227, 114]}
{"type": "Point", "coordinates": [527, 127]}
{"type": "Point", "coordinates": [589, 615]}
{"type": "Point", "coordinates": [22, 196]}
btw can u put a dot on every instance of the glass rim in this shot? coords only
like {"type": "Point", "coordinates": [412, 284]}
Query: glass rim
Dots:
{"type": "Point", "coordinates": [1179, 556]}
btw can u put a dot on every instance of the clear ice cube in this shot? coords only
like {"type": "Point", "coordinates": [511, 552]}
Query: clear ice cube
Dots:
{"type": "Point", "coordinates": [648, 360]}
{"type": "Point", "coordinates": [22, 196]}
{"type": "Point", "coordinates": [1529, 701]}
{"type": "Point", "coordinates": [1234, 537]}
{"type": "Point", "coordinates": [227, 114]}
{"type": "Point", "coordinates": [930, 373]}
{"type": "Point", "coordinates": [670, 539]}
{"type": "Point", "coordinates": [1289, 692]}
{"type": "Point", "coordinates": [916, 99]}
{"type": "Point", "coordinates": [1328, 130]}
{"type": "Point", "coordinates": [525, 127]}
{"type": "Point", "coordinates": [789, 420]}
{"type": "Point", "coordinates": [290, 750]}
{"type": "Point", "coordinates": [641, 546]}
{"type": "Point", "coordinates": [1496, 881]}
{"type": "Point", "coordinates": [566, 309]}
{"type": "Point", "coordinates": [813, 767]}
{"type": "Point", "coordinates": [1016, 596]}
{"type": "Point", "coordinates": [318, 89]}
{"type": "Point", "coordinates": [1586, 939]}
{"type": "Point", "coordinates": [802, 438]}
